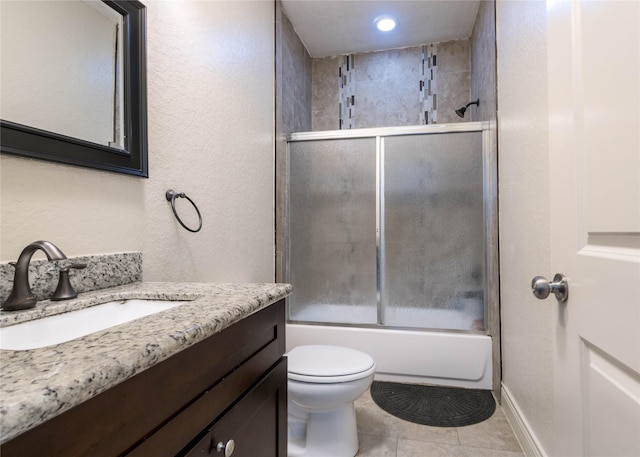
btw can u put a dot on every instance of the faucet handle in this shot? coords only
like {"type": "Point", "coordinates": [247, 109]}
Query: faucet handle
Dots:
{"type": "Point", "coordinates": [65, 291]}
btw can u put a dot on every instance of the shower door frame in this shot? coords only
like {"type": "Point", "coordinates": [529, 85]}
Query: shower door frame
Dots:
{"type": "Point", "coordinates": [490, 212]}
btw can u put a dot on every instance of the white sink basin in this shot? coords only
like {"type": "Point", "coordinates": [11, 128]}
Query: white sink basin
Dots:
{"type": "Point", "coordinates": [56, 329]}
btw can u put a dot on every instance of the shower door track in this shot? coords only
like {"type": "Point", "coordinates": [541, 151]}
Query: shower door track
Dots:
{"type": "Point", "coordinates": [389, 131]}
{"type": "Point", "coordinates": [389, 327]}
{"type": "Point", "coordinates": [489, 163]}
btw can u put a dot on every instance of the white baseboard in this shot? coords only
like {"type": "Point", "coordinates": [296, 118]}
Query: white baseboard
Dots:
{"type": "Point", "coordinates": [528, 441]}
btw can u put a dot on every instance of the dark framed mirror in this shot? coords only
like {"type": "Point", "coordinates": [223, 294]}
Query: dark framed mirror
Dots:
{"type": "Point", "coordinates": [123, 148]}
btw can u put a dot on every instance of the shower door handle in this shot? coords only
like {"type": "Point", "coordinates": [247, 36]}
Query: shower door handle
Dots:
{"type": "Point", "coordinates": [541, 287]}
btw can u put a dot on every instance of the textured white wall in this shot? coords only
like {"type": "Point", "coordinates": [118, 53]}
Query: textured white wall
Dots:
{"type": "Point", "coordinates": [211, 121]}
{"type": "Point", "coordinates": [524, 216]}
{"type": "Point", "coordinates": [81, 211]}
{"type": "Point", "coordinates": [210, 104]}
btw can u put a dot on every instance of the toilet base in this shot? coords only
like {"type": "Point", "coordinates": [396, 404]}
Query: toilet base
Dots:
{"type": "Point", "coordinates": [311, 441]}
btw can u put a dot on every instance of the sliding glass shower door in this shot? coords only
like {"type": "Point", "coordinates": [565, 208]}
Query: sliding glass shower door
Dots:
{"type": "Point", "coordinates": [433, 252]}
{"type": "Point", "coordinates": [388, 230]}
{"type": "Point", "coordinates": [332, 239]}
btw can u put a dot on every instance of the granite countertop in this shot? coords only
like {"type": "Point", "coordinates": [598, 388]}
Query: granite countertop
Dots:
{"type": "Point", "coordinates": [38, 384]}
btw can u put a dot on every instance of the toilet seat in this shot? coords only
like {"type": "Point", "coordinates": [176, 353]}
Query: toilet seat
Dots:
{"type": "Point", "coordinates": [328, 364]}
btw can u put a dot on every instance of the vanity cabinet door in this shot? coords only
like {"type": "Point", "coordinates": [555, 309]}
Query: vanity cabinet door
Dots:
{"type": "Point", "coordinates": [255, 425]}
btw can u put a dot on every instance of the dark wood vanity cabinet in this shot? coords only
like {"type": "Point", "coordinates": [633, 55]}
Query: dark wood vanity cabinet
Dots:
{"type": "Point", "coordinates": [230, 387]}
{"type": "Point", "coordinates": [251, 426]}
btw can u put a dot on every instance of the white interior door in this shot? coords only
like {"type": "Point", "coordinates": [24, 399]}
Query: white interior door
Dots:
{"type": "Point", "coordinates": [594, 120]}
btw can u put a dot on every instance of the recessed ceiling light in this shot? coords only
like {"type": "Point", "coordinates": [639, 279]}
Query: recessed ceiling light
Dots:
{"type": "Point", "coordinates": [385, 23]}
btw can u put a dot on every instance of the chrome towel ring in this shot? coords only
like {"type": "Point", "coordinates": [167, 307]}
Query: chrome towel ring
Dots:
{"type": "Point", "coordinates": [171, 196]}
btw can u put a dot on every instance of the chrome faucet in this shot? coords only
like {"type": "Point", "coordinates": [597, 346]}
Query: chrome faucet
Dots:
{"type": "Point", "coordinates": [21, 296]}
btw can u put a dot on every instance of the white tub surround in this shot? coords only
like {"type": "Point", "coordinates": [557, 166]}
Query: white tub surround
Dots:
{"type": "Point", "coordinates": [38, 384]}
{"type": "Point", "coordinates": [432, 357]}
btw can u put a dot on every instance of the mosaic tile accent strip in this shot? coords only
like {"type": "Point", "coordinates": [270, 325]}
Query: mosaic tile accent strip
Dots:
{"type": "Point", "coordinates": [428, 86]}
{"type": "Point", "coordinates": [346, 93]}
{"type": "Point", "coordinates": [102, 271]}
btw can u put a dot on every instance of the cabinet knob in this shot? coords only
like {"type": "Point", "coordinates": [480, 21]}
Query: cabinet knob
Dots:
{"type": "Point", "coordinates": [226, 448]}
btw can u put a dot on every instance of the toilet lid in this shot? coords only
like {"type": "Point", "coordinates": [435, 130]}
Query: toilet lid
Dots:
{"type": "Point", "coordinates": [327, 361]}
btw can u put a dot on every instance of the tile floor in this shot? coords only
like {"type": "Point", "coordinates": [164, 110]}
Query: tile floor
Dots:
{"type": "Point", "coordinates": [383, 435]}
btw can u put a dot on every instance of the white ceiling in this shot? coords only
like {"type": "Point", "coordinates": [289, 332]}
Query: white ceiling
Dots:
{"type": "Point", "coordinates": [334, 27]}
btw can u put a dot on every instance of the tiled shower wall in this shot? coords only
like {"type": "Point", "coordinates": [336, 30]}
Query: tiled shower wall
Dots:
{"type": "Point", "coordinates": [388, 87]}
{"type": "Point", "coordinates": [483, 87]}
{"type": "Point", "coordinates": [294, 90]}
{"type": "Point", "coordinates": [483, 63]}
{"type": "Point", "coordinates": [325, 93]}
{"type": "Point", "coordinates": [453, 80]}
{"type": "Point", "coordinates": [293, 112]}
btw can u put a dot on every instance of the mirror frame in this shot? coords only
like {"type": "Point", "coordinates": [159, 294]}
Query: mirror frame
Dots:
{"type": "Point", "coordinates": [26, 141]}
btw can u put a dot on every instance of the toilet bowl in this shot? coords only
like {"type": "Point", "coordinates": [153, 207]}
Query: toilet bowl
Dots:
{"type": "Point", "coordinates": [323, 382]}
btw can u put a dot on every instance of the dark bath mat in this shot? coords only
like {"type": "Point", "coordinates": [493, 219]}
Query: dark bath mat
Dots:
{"type": "Point", "coordinates": [434, 405]}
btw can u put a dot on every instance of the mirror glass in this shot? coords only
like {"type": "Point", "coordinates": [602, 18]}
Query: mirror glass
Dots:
{"type": "Point", "coordinates": [73, 84]}
{"type": "Point", "coordinates": [62, 68]}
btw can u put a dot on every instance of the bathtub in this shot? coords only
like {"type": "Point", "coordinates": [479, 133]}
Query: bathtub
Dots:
{"type": "Point", "coordinates": [444, 358]}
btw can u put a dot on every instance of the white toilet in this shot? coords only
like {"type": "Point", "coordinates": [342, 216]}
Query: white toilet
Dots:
{"type": "Point", "coordinates": [323, 383]}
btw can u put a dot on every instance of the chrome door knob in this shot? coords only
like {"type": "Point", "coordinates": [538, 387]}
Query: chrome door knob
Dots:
{"type": "Point", "coordinates": [226, 448]}
{"type": "Point", "coordinates": [541, 287]}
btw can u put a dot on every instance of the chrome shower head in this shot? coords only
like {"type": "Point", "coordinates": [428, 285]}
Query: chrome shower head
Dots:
{"type": "Point", "coordinates": [460, 112]}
